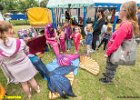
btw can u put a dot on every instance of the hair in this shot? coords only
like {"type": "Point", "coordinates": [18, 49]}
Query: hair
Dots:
{"type": "Point", "coordinates": [109, 29]}
{"type": "Point", "coordinates": [106, 23]}
{"type": "Point", "coordinates": [3, 28]}
{"type": "Point", "coordinates": [78, 28]}
{"type": "Point", "coordinates": [131, 9]}
{"type": "Point", "coordinates": [89, 26]}
{"type": "Point", "coordinates": [101, 10]}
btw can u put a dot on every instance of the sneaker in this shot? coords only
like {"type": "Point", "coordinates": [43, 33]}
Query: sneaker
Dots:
{"type": "Point", "coordinates": [29, 96]}
{"type": "Point", "coordinates": [38, 89]}
{"type": "Point", "coordinates": [104, 80]}
{"type": "Point", "coordinates": [91, 51]}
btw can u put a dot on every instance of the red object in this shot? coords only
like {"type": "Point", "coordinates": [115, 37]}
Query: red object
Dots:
{"type": "Point", "coordinates": [37, 45]}
{"type": "Point", "coordinates": [122, 33]}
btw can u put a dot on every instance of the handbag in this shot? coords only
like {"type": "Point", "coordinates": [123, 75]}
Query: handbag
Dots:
{"type": "Point", "coordinates": [126, 53]}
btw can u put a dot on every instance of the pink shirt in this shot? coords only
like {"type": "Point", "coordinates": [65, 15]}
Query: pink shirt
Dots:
{"type": "Point", "coordinates": [122, 33]}
{"type": "Point", "coordinates": [62, 35]}
{"type": "Point", "coordinates": [76, 37]}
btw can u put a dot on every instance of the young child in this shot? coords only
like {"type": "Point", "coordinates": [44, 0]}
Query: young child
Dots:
{"type": "Point", "coordinates": [62, 40]}
{"type": "Point", "coordinates": [106, 37]}
{"type": "Point", "coordinates": [76, 38]}
{"type": "Point", "coordinates": [89, 38]}
{"type": "Point", "coordinates": [67, 31]}
{"type": "Point", "coordinates": [16, 61]}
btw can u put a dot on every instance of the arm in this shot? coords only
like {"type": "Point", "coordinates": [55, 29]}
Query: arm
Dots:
{"type": "Point", "coordinates": [71, 36]}
{"type": "Point", "coordinates": [24, 46]}
{"type": "Point", "coordinates": [121, 34]}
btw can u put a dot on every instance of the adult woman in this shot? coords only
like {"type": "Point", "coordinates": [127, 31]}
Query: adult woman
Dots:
{"type": "Point", "coordinates": [13, 56]}
{"type": "Point", "coordinates": [97, 27]}
{"type": "Point", "coordinates": [128, 28]}
{"type": "Point", "coordinates": [51, 38]}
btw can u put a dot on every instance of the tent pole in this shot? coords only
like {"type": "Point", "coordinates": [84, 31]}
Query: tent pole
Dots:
{"type": "Point", "coordinates": [53, 18]}
{"type": "Point", "coordinates": [85, 12]}
{"type": "Point", "coordinates": [78, 15]}
{"type": "Point", "coordinates": [116, 17]}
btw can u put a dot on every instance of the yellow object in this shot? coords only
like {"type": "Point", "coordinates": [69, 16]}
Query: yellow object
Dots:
{"type": "Point", "coordinates": [2, 92]}
{"type": "Point", "coordinates": [81, 37]}
{"type": "Point", "coordinates": [89, 65]}
{"type": "Point", "coordinates": [39, 54]}
{"type": "Point", "coordinates": [55, 95]}
{"type": "Point", "coordinates": [39, 16]}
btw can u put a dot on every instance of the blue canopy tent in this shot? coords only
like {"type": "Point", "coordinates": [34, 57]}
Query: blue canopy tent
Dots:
{"type": "Point", "coordinates": [69, 4]}
{"type": "Point", "coordinates": [112, 3]}
{"type": "Point", "coordinates": [84, 3]}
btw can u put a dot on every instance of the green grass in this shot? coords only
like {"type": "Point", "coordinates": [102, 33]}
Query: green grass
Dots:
{"type": "Point", "coordinates": [86, 86]}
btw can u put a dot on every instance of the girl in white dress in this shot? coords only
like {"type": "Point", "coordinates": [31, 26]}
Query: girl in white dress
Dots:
{"type": "Point", "coordinates": [13, 56]}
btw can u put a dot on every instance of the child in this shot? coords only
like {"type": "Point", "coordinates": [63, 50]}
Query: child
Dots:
{"type": "Point", "coordinates": [67, 31]}
{"type": "Point", "coordinates": [16, 61]}
{"type": "Point", "coordinates": [89, 38]}
{"type": "Point", "coordinates": [76, 38]}
{"type": "Point", "coordinates": [106, 37]}
{"type": "Point", "coordinates": [62, 40]}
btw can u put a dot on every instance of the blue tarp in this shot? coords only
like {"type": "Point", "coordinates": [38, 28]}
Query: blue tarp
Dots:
{"type": "Point", "coordinates": [18, 17]}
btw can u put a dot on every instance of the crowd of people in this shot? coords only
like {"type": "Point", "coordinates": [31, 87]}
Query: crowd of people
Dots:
{"type": "Point", "coordinates": [14, 52]}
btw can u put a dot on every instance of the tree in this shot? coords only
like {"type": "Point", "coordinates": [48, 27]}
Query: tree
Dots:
{"type": "Point", "coordinates": [43, 3]}
{"type": "Point", "coordinates": [18, 5]}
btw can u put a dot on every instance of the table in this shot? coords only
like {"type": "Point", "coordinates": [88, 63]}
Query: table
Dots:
{"type": "Point", "coordinates": [37, 45]}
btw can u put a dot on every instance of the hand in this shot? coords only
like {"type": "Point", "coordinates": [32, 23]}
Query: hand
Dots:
{"type": "Point", "coordinates": [106, 55]}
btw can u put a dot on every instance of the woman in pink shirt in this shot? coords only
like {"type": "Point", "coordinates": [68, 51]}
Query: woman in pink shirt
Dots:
{"type": "Point", "coordinates": [129, 20]}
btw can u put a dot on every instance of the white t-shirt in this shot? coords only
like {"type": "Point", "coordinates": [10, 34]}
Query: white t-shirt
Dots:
{"type": "Point", "coordinates": [104, 29]}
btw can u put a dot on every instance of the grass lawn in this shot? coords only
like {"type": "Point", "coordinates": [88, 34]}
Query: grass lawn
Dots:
{"type": "Point", "coordinates": [86, 86]}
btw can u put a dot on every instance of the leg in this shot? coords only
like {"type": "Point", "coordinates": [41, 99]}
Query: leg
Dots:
{"type": "Point", "coordinates": [101, 43]}
{"type": "Point", "coordinates": [55, 47]}
{"type": "Point", "coordinates": [68, 44]}
{"type": "Point", "coordinates": [105, 43]}
{"type": "Point", "coordinates": [77, 46]}
{"type": "Point", "coordinates": [26, 88]}
{"type": "Point", "coordinates": [63, 45]}
{"type": "Point", "coordinates": [34, 85]}
{"type": "Point", "coordinates": [95, 38]}
{"type": "Point", "coordinates": [88, 49]}
{"type": "Point", "coordinates": [110, 72]}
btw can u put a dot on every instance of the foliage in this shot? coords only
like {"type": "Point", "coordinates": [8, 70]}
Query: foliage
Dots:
{"type": "Point", "coordinates": [43, 3]}
{"type": "Point", "coordinates": [17, 5]}
{"type": "Point", "coordinates": [19, 22]}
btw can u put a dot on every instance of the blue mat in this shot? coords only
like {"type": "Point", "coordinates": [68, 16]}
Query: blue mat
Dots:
{"type": "Point", "coordinates": [53, 65]}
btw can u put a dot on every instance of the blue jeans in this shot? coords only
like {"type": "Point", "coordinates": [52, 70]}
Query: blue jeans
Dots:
{"type": "Point", "coordinates": [68, 43]}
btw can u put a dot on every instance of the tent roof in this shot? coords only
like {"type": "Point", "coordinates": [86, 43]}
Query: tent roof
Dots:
{"type": "Point", "coordinates": [65, 3]}
{"type": "Point", "coordinates": [113, 3]}
{"type": "Point", "coordinates": [85, 3]}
